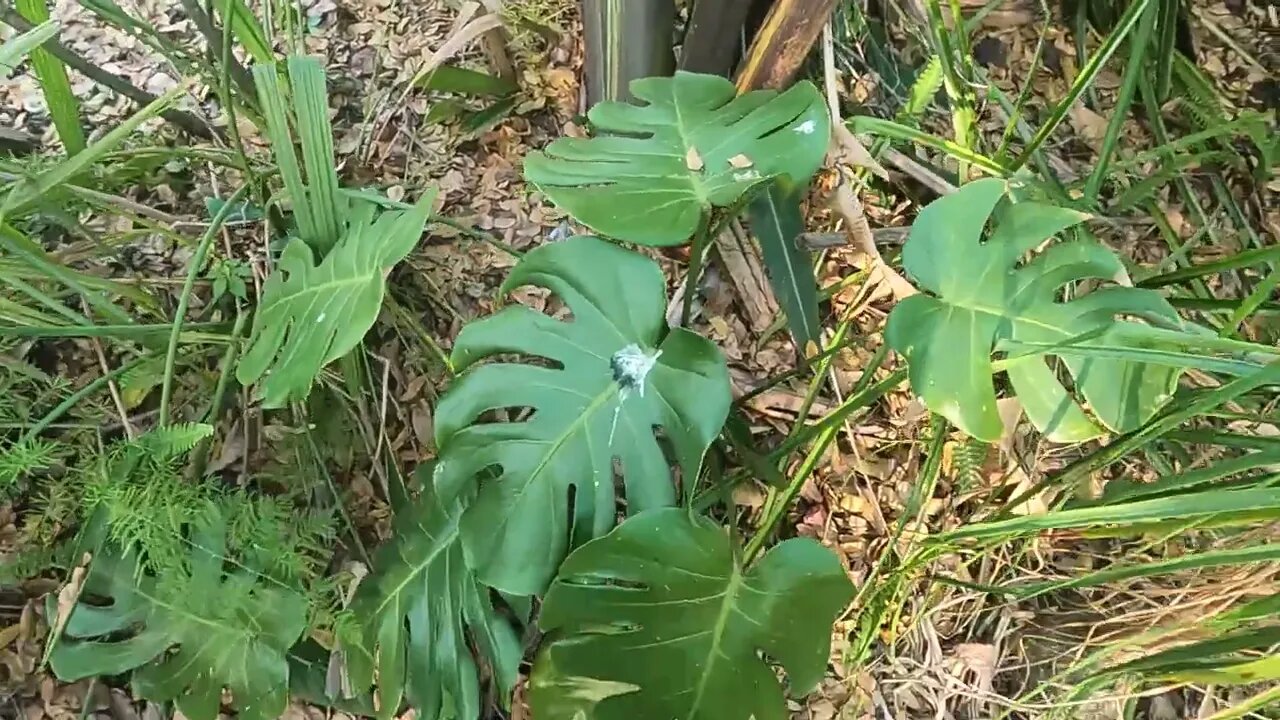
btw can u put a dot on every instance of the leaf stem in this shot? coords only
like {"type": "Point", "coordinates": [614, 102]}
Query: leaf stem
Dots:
{"type": "Point", "coordinates": [696, 253]}
{"type": "Point", "coordinates": [778, 503]}
{"type": "Point", "coordinates": [184, 301]}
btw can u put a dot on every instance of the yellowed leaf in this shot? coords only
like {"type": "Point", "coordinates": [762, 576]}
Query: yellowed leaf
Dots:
{"type": "Point", "coordinates": [693, 160]}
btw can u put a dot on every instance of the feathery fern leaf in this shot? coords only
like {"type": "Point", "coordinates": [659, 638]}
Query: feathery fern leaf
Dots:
{"type": "Point", "coordinates": [312, 314]}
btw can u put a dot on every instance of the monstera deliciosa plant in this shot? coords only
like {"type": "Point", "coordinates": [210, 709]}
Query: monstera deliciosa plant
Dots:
{"type": "Point", "coordinates": [993, 290]}
{"type": "Point", "coordinates": [611, 414]}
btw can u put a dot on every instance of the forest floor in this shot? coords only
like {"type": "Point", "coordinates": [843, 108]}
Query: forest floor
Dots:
{"type": "Point", "coordinates": [946, 651]}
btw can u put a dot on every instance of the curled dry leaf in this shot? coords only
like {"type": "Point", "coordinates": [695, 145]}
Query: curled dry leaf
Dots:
{"type": "Point", "coordinates": [851, 209]}
{"type": "Point", "coordinates": [69, 594]}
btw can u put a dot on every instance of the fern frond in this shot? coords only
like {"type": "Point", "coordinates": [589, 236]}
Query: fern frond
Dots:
{"type": "Point", "coordinates": [169, 442]}
{"type": "Point", "coordinates": [23, 458]}
{"type": "Point", "coordinates": [967, 459]}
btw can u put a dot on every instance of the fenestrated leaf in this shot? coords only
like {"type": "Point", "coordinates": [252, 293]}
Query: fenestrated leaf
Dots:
{"type": "Point", "coordinates": [635, 183]}
{"type": "Point", "coordinates": [620, 375]}
{"type": "Point", "coordinates": [988, 295]}
{"type": "Point", "coordinates": [225, 631]}
{"type": "Point", "coordinates": [658, 619]}
{"type": "Point", "coordinates": [310, 314]}
{"type": "Point", "coordinates": [418, 610]}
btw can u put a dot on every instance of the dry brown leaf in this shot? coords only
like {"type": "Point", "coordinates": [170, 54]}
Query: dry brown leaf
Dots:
{"type": "Point", "coordinates": [740, 161]}
{"type": "Point", "coordinates": [1090, 125]}
{"type": "Point", "coordinates": [980, 659]}
{"type": "Point", "coordinates": [67, 598]}
{"type": "Point", "coordinates": [851, 209]}
{"type": "Point", "coordinates": [693, 160]}
{"type": "Point", "coordinates": [849, 149]}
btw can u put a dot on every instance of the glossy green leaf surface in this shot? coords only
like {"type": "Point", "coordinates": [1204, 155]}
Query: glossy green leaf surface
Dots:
{"type": "Point", "coordinates": [986, 295]}
{"type": "Point", "coordinates": [312, 314]}
{"type": "Point", "coordinates": [223, 631]}
{"type": "Point", "coordinates": [776, 221]}
{"type": "Point", "coordinates": [418, 609]}
{"type": "Point", "coordinates": [617, 374]}
{"type": "Point", "coordinates": [654, 170]}
{"type": "Point", "coordinates": [658, 619]}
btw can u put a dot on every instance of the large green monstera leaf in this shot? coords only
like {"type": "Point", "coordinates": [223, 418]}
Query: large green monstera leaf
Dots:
{"type": "Point", "coordinates": [186, 642]}
{"type": "Point", "coordinates": [619, 377]}
{"type": "Point", "coordinates": [312, 314]}
{"type": "Point", "coordinates": [989, 297]}
{"type": "Point", "coordinates": [418, 609]}
{"type": "Point", "coordinates": [696, 145]}
{"type": "Point", "coordinates": [658, 619]}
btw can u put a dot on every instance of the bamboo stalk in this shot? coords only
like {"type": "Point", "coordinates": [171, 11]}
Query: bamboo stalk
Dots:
{"type": "Point", "coordinates": [626, 40]}
{"type": "Point", "coordinates": [780, 48]}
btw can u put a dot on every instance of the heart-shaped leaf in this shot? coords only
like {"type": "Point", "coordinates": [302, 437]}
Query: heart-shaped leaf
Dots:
{"type": "Point", "coordinates": [658, 619]}
{"type": "Point", "coordinates": [416, 610]}
{"type": "Point", "coordinates": [618, 374]}
{"type": "Point", "coordinates": [694, 146]}
{"type": "Point", "coordinates": [226, 631]}
{"type": "Point", "coordinates": [990, 298]}
{"type": "Point", "coordinates": [311, 315]}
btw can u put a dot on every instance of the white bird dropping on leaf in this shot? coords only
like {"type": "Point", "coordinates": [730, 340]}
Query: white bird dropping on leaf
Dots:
{"type": "Point", "coordinates": [631, 365]}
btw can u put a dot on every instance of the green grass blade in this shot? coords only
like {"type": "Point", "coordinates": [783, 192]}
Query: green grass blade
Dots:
{"type": "Point", "coordinates": [1134, 71]}
{"type": "Point", "coordinates": [271, 96]}
{"type": "Point", "coordinates": [1152, 356]}
{"type": "Point", "coordinates": [315, 135]}
{"type": "Point", "coordinates": [1248, 258]}
{"type": "Point", "coordinates": [1211, 502]}
{"type": "Point", "coordinates": [1186, 656]}
{"type": "Point", "coordinates": [1085, 79]}
{"type": "Point", "coordinates": [64, 109]}
{"type": "Point", "coordinates": [1166, 45]}
{"type": "Point", "coordinates": [1128, 491]}
{"type": "Point", "coordinates": [246, 28]}
{"type": "Point", "coordinates": [900, 132]}
{"type": "Point", "coordinates": [1193, 561]}
{"type": "Point", "coordinates": [13, 50]}
{"type": "Point", "coordinates": [1162, 426]}
{"type": "Point", "coordinates": [1254, 301]}
{"type": "Point", "coordinates": [453, 79]}
{"type": "Point", "coordinates": [27, 192]}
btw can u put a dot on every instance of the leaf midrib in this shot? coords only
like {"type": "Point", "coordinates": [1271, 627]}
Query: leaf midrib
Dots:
{"type": "Point", "coordinates": [313, 289]}
{"type": "Point", "coordinates": [717, 633]}
{"type": "Point", "coordinates": [439, 544]}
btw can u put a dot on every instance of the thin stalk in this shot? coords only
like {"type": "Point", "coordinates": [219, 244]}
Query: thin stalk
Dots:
{"type": "Point", "coordinates": [701, 243]}
{"type": "Point", "coordinates": [70, 401]}
{"type": "Point", "coordinates": [184, 300]}
{"type": "Point", "coordinates": [856, 401]}
{"type": "Point", "coordinates": [226, 369]}
{"type": "Point", "coordinates": [1251, 303]}
{"type": "Point", "coordinates": [776, 509]}
{"type": "Point", "coordinates": [1015, 111]}
{"type": "Point", "coordinates": [963, 117]}
{"type": "Point", "coordinates": [318, 459]}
